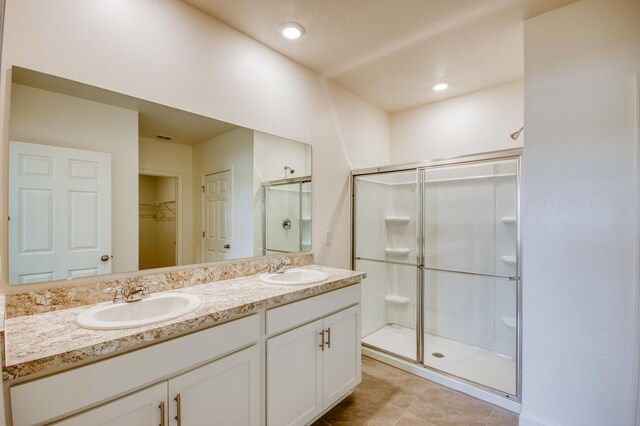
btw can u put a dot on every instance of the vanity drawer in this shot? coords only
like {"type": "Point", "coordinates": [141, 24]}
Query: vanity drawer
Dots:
{"type": "Point", "coordinates": [297, 313]}
{"type": "Point", "coordinates": [43, 399]}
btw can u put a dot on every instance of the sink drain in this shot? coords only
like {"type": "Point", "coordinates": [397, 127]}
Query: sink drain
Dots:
{"type": "Point", "coordinates": [437, 355]}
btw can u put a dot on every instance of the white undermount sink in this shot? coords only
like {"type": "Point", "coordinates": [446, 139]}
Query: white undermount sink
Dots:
{"type": "Point", "coordinates": [156, 308]}
{"type": "Point", "coordinates": [295, 276]}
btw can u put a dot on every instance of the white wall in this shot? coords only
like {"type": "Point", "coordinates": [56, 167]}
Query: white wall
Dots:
{"type": "Point", "coordinates": [579, 214]}
{"type": "Point", "coordinates": [270, 154]}
{"type": "Point", "coordinates": [230, 151]}
{"type": "Point", "coordinates": [43, 117]}
{"type": "Point", "coordinates": [477, 122]}
{"type": "Point", "coordinates": [203, 66]}
{"type": "Point", "coordinates": [161, 157]}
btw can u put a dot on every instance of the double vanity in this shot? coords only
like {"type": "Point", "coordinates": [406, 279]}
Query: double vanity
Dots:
{"type": "Point", "coordinates": [225, 344]}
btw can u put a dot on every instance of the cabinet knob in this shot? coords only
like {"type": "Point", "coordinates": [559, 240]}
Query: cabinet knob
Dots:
{"type": "Point", "coordinates": [227, 246]}
{"type": "Point", "coordinates": [105, 257]}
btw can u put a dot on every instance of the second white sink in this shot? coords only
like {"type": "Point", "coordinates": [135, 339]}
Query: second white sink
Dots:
{"type": "Point", "coordinates": [295, 276]}
{"type": "Point", "coordinates": [157, 308]}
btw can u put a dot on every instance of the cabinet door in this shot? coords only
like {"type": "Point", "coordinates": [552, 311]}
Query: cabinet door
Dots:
{"type": "Point", "coordinates": [224, 392]}
{"type": "Point", "coordinates": [142, 408]}
{"type": "Point", "coordinates": [341, 361]}
{"type": "Point", "coordinates": [294, 376]}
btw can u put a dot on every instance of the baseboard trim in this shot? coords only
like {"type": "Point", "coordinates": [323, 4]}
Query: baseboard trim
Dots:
{"type": "Point", "coordinates": [449, 382]}
{"type": "Point", "coordinates": [527, 419]}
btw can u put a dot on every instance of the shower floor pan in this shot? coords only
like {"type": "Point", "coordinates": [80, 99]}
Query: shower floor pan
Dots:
{"type": "Point", "coordinates": [469, 362]}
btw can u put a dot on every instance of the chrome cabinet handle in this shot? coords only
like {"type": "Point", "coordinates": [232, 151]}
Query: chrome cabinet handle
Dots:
{"type": "Point", "coordinates": [321, 345]}
{"type": "Point", "coordinates": [161, 407]}
{"type": "Point", "coordinates": [329, 337]}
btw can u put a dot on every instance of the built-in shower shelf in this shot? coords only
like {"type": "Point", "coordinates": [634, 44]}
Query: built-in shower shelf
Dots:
{"type": "Point", "coordinates": [511, 260]}
{"type": "Point", "coordinates": [398, 300]}
{"type": "Point", "coordinates": [510, 220]}
{"type": "Point", "coordinates": [397, 219]}
{"type": "Point", "coordinates": [509, 322]}
{"type": "Point", "coordinates": [401, 251]}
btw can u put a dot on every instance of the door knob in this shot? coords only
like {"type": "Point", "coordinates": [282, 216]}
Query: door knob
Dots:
{"type": "Point", "coordinates": [227, 246]}
{"type": "Point", "coordinates": [105, 257]}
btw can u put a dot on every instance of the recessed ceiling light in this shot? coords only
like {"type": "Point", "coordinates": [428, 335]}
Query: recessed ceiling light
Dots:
{"type": "Point", "coordinates": [292, 30]}
{"type": "Point", "coordinates": [440, 86]}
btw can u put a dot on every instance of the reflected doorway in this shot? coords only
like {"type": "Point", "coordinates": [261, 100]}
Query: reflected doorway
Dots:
{"type": "Point", "coordinates": [158, 218]}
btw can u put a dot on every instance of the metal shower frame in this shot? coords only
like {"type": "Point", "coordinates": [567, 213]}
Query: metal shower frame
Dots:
{"type": "Point", "coordinates": [279, 182]}
{"type": "Point", "coordinates": [420, 168]}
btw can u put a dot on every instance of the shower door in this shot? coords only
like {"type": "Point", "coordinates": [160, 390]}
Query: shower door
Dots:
{"type": "Point", "coordinates": [470, 271]}
{"type": "Point", "coordinates": [385, 247]}
{"type": "Point", "coordinates": [286, 224]}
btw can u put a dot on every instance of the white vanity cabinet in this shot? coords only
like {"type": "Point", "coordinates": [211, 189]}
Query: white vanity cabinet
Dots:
{"type": "Point", "coordinates": [225, 392]}
{"type": "Point", "coordinates": [312, 366]}
{"type": "Point", "coordinates": [216, 372]}
{"type": "Point", "coordinates": [143, 408]}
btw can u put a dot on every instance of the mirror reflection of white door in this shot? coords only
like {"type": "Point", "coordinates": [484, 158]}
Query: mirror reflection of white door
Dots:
{"type": "Point", "coordinates": [217, 216]}
{"type": "Point", "coordinates": [60, 213]}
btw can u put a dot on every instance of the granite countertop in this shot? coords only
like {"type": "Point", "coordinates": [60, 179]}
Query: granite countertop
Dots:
{"type": "Point", "coordinates": [53, 341]}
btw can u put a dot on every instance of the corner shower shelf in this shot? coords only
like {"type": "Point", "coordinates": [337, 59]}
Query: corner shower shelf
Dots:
{"type": "Point", "coordinates": [397, 219]}
{"type": "Point", "coordinates": [511, 260]}
{"type": "Point", "coordinates": [398, 300]}
{"type": "Point", "coordinates": [510, 220]}
{"type": "Point", "coordinates": [509, 322]}
{"type": "Point", "coordinates": [397, 251]}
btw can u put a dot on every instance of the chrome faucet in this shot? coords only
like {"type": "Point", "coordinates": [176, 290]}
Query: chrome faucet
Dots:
{"type": "Point", "coordinates": [279, 268]}
{"type": "Point", "coordinates": [137, 293]}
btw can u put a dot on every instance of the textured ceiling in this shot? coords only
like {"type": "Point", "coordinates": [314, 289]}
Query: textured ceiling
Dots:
{"type": "Point", "coordinates": [153, 119]}
{"type": "Point", "coordinates": [391, 51]}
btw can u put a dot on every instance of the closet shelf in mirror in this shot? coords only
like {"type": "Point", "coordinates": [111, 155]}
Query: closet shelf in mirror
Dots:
{"type": "Point", "coordinates": [510, 220]}
{"type": "Point", "coordinates": [163, 211]}
{"type": "Point", "coordinates": [400, 251]}
{"type": "Point", "coordinates": [397, 219]}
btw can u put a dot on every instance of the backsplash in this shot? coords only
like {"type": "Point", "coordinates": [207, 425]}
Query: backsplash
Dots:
{"type": "Point", "coordinates": [53, 299]}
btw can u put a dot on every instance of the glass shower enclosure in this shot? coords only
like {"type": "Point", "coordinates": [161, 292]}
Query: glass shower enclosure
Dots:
{"type": "Point", "coordinates": [439, 242]}
{"type": "Point", "coordinates": [286, 216]}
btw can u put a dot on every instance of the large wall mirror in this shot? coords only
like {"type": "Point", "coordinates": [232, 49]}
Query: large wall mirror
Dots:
{"type": "Point", "coordinates": [101, 183]}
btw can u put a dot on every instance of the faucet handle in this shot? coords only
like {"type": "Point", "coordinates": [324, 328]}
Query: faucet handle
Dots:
{"type": "Point", "coordinates": [273, 266]}
{"type": "Point", "coordinates": [146, 285]}
{"type": "Point", "coordinates": [118, 293]}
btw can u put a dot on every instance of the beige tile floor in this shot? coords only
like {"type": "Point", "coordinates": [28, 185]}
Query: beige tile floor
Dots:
{"type": "Point", "coordinates": [389, 396]}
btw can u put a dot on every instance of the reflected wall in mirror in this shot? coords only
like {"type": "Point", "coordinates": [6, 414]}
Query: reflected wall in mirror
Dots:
{"type": "Point", "coordinates": [100, 182]}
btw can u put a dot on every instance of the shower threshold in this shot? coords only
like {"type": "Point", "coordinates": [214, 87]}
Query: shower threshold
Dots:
{"type": "Point", "coordinates": [482, 366]}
